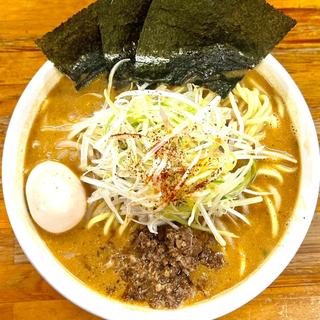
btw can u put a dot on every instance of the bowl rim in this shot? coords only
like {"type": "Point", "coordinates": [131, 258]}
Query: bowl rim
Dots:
{"type": "Point", "coordinates": [78, 293]}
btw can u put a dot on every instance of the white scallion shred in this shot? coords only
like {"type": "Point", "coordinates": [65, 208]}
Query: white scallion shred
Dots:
{"type": "Point", "coordinates": [178, 156]}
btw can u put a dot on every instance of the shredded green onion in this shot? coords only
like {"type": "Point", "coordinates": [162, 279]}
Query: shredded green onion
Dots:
{"type": "Point", "coordinates": [175, 156]}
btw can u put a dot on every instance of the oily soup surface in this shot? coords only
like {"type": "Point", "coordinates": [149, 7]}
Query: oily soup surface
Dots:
{"type": "Point", "coordinates": [87, 253]}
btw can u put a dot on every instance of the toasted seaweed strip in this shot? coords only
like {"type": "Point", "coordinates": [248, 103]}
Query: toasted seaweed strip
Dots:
{"type": "Point", "coordinates": [120, 23]}
{"type": "Point", "coordinates": [175, 30]}
{"type": "Point", "coordinates": [75, 47]}
{"type": "Point", "coordinates": [219, 67]}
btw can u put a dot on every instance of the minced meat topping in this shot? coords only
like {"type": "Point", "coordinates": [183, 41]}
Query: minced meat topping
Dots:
{"type": "Point", "coordinates": [157, 268]}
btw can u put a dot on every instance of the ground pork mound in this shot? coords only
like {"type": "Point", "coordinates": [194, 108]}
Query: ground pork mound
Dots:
{"type": "Point", "coordinates": [157, 268]}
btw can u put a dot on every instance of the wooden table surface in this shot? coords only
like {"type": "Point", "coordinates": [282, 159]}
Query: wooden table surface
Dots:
{"type": "Point", "coordinates": [24, 294]}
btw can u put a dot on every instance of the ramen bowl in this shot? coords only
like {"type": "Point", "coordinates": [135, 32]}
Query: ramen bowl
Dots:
{"type": "Point", "coordinates": [76, 291]}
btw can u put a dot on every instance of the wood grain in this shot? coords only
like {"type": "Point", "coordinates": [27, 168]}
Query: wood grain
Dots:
{"type": "Point", "coordinates": [281, 4]}
{"type": "Point", "coordinates": [24, 294]}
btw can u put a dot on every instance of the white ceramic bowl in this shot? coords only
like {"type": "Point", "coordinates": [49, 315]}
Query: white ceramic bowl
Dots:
{"type": "Point", "coordinates": [64, 282]}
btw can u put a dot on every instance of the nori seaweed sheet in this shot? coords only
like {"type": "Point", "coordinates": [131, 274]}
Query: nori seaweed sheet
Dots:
{"type": "Point", "coordinates": [75, 47]}
{"type": "Point", "coordinates": [95, 38]}
{"type": "Point", "coordinates": [175, 31]}
{"type": "Point", "coordinates": [120, 23]}
{"type": "Point", "coordinates": [208, 66]}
